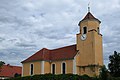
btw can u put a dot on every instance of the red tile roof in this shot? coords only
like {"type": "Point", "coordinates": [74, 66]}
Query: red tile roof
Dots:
{"type": "Point", "coordinates": [10, 71]}
{"type": "Point", "coordinates": [63, 53]}
{"type": "Point", "coordinates": [90, 16]}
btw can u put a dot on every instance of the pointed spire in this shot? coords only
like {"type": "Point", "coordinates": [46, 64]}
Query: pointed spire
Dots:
{"type": "Point", "coordinates": [89, 16]}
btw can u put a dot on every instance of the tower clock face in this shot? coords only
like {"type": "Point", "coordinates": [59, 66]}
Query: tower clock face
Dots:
{"type": "Point", "coordinates": [83, 36]}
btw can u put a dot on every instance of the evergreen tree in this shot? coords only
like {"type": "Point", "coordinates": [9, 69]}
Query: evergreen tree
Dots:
{"type": "Point", "coordinates": [103, 73]}
{"type": "Point", "coordinates": [1, 64]}
{"type": "Point", "coordinates": [114, 65]}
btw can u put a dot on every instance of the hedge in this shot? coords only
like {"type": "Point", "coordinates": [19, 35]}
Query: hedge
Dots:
{"type": "Point", "coordinates": [115, 78]}
{"type": "Point", "coordinates": [58, 77]}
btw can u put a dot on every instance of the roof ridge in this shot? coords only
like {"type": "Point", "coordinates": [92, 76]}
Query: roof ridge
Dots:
{"type": "Point", "coordinates": [45, 48]}
{"type": "Point", "coordinates": [10, 65]}
{"type": "Point", "coordinates": [63, 47]}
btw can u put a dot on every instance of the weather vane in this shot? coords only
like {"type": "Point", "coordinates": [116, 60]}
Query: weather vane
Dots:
{"type": "Point", "coordinates": [89, 6]}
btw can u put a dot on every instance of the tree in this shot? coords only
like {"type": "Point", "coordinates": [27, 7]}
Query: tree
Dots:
{"type": "Point", "coordinates": [114, 64]}
{"type": "Point", "coordinates": [17, 75]}
{"type": "Point", "coordinates": [103, 73]}
{"type": "Point", "coordinates": [1, 64]}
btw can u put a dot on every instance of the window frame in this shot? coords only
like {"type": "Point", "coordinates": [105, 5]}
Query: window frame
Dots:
{"type": "Point", "coordinates": [98, 30]}
{"type": "Point", "coordinates": [62, 68]}
{"type": "Point", "coordinates": [85, 30]}
{"type": "Point", "coordinates": [52, 68]}
{"type": "Point", "coordinates": [32, 69]}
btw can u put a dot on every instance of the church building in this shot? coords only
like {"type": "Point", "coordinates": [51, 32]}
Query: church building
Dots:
{"type": "Point", "coordinates": [84, 57]}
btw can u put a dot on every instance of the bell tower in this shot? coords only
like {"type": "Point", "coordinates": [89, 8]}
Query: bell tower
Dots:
{"type": "Point", "coordinates": [89, 45]}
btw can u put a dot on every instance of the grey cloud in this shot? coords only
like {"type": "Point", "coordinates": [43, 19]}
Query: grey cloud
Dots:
{"type": "Point", "coordinates": [111, 33]}
{"type": "Point", "coordinates": [26, 26]}
{"type": "Point", "coordinates": [50, 34]}
{"type": "Point", "coordinates": [25, 45]}
{"type": "Point", "coordinates": [15, 55]}
{"type": "Point", "coordinates": [2, 39]}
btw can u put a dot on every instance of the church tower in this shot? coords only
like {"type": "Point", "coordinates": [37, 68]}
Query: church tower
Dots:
{"type": "Point", "coordinates": [89, 45]}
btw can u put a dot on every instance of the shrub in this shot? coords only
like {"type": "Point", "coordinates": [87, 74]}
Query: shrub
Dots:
{"type": "Point", "coordinates": [59, 77]}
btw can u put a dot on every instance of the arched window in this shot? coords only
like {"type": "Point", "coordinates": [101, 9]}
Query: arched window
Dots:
{"type": "Point", "coordinates": [31, 69]}
{"type": "Point", "coordinates": [84, 30]}
{"type": "Point", "coordinates": [53, 68]}
{"type": "Point", "coordinates": [98, 30]}
{"type": "Point", "coordinates": [63, 68]}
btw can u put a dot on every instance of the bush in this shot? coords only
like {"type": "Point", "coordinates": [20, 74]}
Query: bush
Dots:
{"type": "Point", "coordinates": [60, 77]}
{"type": "Point", "coordinates": [115, 78]}
{"type": "Point", "coordinates": [54, 77]}
{"type": "Point", "coordinates": [85, 77]}
{"type": "Point", "coordinates": [103, 73]}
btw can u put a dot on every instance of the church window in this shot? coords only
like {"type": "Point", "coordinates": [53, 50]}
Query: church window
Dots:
{"type": "Point", "coordinates": [31, 69]}
{"type": "Point", "coordinates": [98, 30]}
{"type": "Point", "coordinates": [53, 68]}
{"type": "Point", "coordinates": [63, 68]}
{"type": "Point", "coordinates": [84, 30]}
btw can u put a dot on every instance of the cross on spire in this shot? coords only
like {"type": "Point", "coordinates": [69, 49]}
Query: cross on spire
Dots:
{"type": "Point", "coordinates": [89, 7]}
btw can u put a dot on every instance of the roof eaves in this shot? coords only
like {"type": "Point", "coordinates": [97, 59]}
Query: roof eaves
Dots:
{"type": "Point", "coordinates": [62, 59]}
{"type": "Point", "coordinates": [31, 61]}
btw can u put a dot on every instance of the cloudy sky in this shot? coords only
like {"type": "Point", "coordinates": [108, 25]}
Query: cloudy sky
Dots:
{"type": "Point", "coordinates": [26, 26]}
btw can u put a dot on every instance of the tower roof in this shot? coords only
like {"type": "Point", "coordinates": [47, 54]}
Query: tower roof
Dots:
{"type": "Point", "coordinates": [89, 16]}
